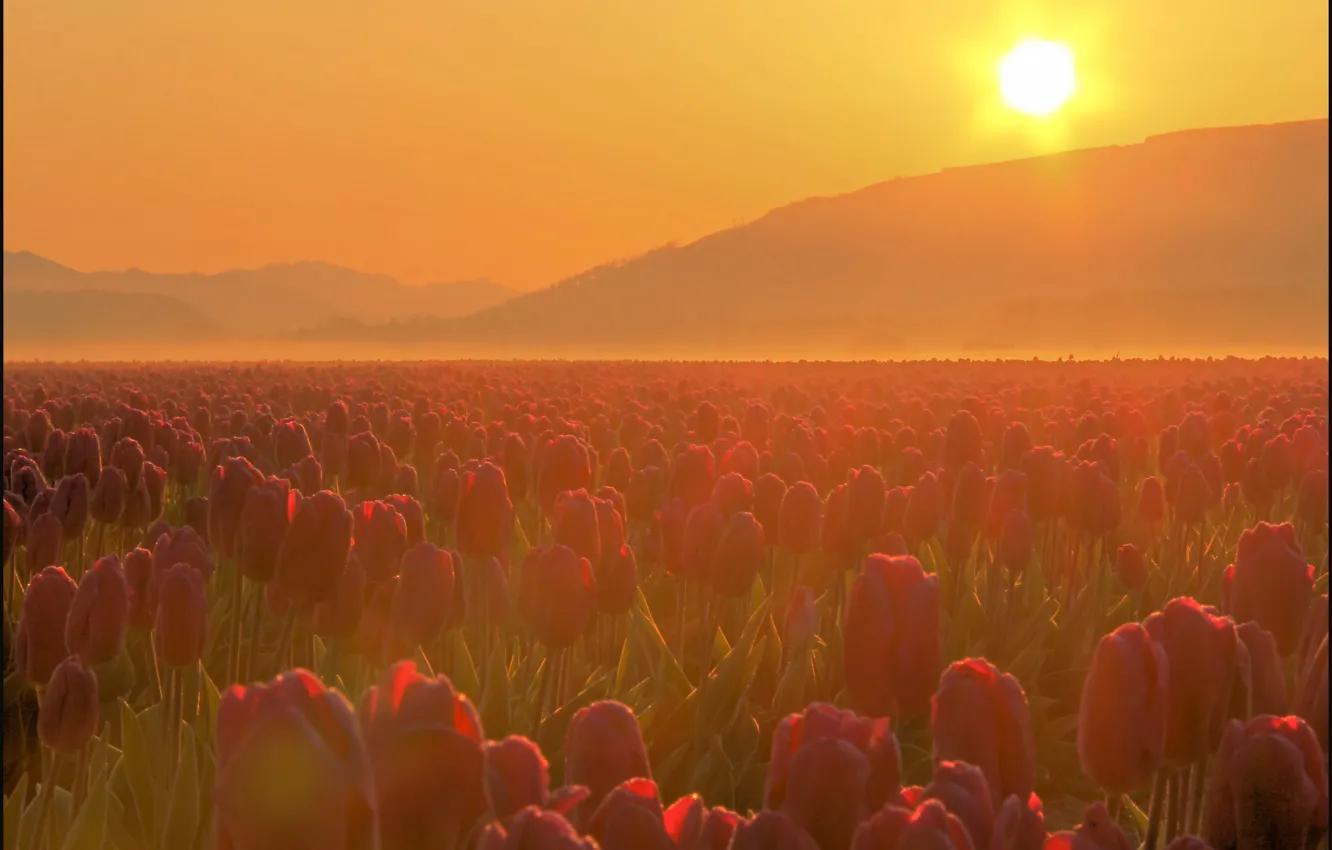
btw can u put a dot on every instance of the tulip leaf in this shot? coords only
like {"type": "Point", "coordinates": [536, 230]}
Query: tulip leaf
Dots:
{"type": "Point", "coordinates": [622, 668]}
{"type": "Point", "coordinates": [460, 665]}
{"type": "Point", "coordinates": [719, 645]}
{"type": "Point", "coordinates": [210, 699]}
{"type": "Point", "coordinates": [182, 816]}
{"type": "Point", "coordinates": [88, 831]}
{"type": "Point", "coordinates": [1137, 815]}
{"type": "Point", "coordinates": [14, 812]}
{"type": "Point", "coordinates": [139, 767]}
{"type": "Point", "coordinates": [671, 676]}
{"type": "Point", "coordinates": [790, 697]}
{"type": "Point", "coordinates": [495, 696]}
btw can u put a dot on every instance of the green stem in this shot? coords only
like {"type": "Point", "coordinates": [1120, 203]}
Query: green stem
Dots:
{"type": "Point", "coordinates": [284, 639]}
{"type": "Point", "coordinates": [1156, 810]}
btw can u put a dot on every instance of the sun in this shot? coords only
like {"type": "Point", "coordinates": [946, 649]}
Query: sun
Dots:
{"type": "Point", "coordinates": [1037, 77]}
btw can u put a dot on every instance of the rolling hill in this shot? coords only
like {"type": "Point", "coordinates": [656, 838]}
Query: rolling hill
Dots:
{"type": "Point", "coordinates": [1208, 238]}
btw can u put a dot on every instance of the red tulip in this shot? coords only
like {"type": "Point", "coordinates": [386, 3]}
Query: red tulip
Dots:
{"type": "Point", "coordinates": [1019, 825]}
{"type": "Point", "coordinates": [292, 769]}
{"type": "Point", "coordinates": [929, 826]}
{"type": "Point", "coordinates": [980, 716]}
{"type": "Point", "coordinates": [128, 456]}
{"type": "Point", "coordinates": [739, 555]}
{"type": "Point", "coordinates": [962, 789]}
{"type": "Point", "coordinates": [871, 737]}
{"type": "Point", "coordinates": [1201, 649]}
{"type": "Point", "coordinates": [534, 829]}
{"type": "Point", "coordinates": [1131, 566]}
{"type": "Point", "coordinates": [769, 493]}
{"type": "Point", "coordinates": [1151, 500]}
{"type": "Point", "coordinates": [43, 545]}
{"type": "Point", "coordinates": [865, 496]}
{"type": "Point", "coordinates": [340, 616]}
{"type": "Point", "coordinates": [732, 493]}
{"type": "Point", "coordinates": [68, 713]}
{"type": "Point", "coordinates": [485, 514]}
{"type": "Point", "coordinates": [574, 523]}
{"type": "Point", "coordinates": [314, 551]}
{"type": "Point", "coordinates": [1268, 787]}
{"type": "Point", "coordinates": [1123, 710]}
{"type": "Point", "coordinates": [518, 776]}
{"type": "Point", "coordinates": [693, 475]}
{"type": "Point", "coordinates": [364, 461]}
{"type": "Point", "coordinates": [564, 465]}
{"type": "Point", "coordinates": [771, 830]}
{"type": "Point", "coordinates": [693, 826]}
{"type": "Point", "coordinates": [180, 626]}
{"type": "Point", "coordinates": [1273, 583]}
{"type": "Point", "coordinates": [603, 747]}
{"type": "Point", "coordinates": [83, 455]}
{"type": "Point", "coordinates": [1266, 678]}
{"type": "Point", "coordinates": [99, 613]}
{"type": "Point", "coordinates": [425, 595]}
{"type": "Point", "coordinates": [426, 746]}
{"type": "Point", "coordinates": [630, 817]}
{"type": "Point", "coordinates": [800, 518]}
{"type": "Point", "coordinates": [557, 595]}
{"type": "Point", "coordinates": [1098, 831]}
{"type": "Point", "coordinates": [39, 644]}
{"type": "Point", "coordinates": [228, 488]}
{"type": "Point", "coordinates": [381, 539]}
{"type": "Point", "coordinates": [263, 523]}
{"type": "Point", "coordinates": [70, 505]}
{"type": "Point", "coordinates": [924, 510]}
{"type": "Point", "coordinates": [893, 643]}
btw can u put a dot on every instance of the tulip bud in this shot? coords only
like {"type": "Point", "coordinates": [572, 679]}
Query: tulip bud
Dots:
{"type": "Point", "coordinates": [485, 514]}
{"type": "Point", "coordinates": [99, 613]}
{"type": "Point", "coordinates": [771, 830]}
{"type": "Point", "coordinates": [603, 747]}
{"type": "Point", "coordinates": [930, 825]}
{"type": "Point", "coordinates": [68, 713]}
{"type": "Point", "coordinates": [40, 643]}
{"type": "Point", "coordinates": [574, 523]}
{"type": "Point", "coordinates": [801, 622]}
{"type": "Point", "coordinates": [534, 828]}
{"type": "Point", "coordinates": [263, 523]}
{"type": "Point", "coordinates": [518, 776]}
{"type": "Point", "coordinates": [557, 595]}
{"type": "Point", "coordinates": [1122, 715]}
{"type": "Point", "coordinates": [228, 489]}
{"type": "Point", "coordinates": [180, 626]}
{"type": "Point", "coordinates": [1273, 583]}
{"type": "Point", "coordinates": [44, 540]}
{"type": "Point", "coordinates": [893, 644]}
{"type": "Point", "coordinates": [1131, 566]}
{"type": "Point", "coordinates": [70, 505]}
{"type": "Point", "coordinates": [739, 555]}
{"type": "Point", "coordinates": [381, 539]}
{"type": "Point", "coordinates": [340, 616]}
{"type": "Point", "coordinates": [314, 551]}
{"type": "Point", "coordinates": [83, 455]}
{"type": "Point", "coordinates": [424, 596]}
{"type": "Point", "coordinates": [980, 716]}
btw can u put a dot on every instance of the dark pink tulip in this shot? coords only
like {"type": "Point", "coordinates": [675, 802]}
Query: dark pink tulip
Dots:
{"type": "Point", "coordinates": [574, 524]}
{"type": "Point", "coordinates": [1098, 831]}
{"type": "Point", "coordinates": [43, 545]}
{"type": "Point", "coordinates": [1201, 648]}
{"type": "Point", "coordinates": [128, 456]}
{"type": "Point", "coordinates": [108, 498]}
{"type": "Point", "coordinates": [739, 556]}
{"type": "Point", "coordinates": [826, 791]}
{"type": "Point", "coordinates": [39, 644]}
{"type": "Point", "coordinates": [564, 465]}
{"type": "Point", "coordinates": [1015, 542]}
{"type": "Point", "coordinates": [178, 546]}
{"type": "Point", "coordinates": [1123, 711]}
{"type": "Point", "coordinates": [138, 567]}
{"type": "Point", "coordinates": [83, 455]}
{"type": "Point", "coordinates": [865, 496]}
{"type": "Point", "coordinates": [518, 776]}
{"type": "Point", "coordinates": [291, 443]}
{"type": "Point", "coordinates": [426, 746]}
{"type": "Point", "coordinates": [340, 616]}
{"type": "Point", "coordinates": [893, 644]}
{"type": "Point", "coordinates": [442, 495]}
{"type": "Point", "coordinates": [292, 769]}
{"type": "Point", "coordinates": [1151, 500]}
{"type": "Point", "coordinates": [962, 789]}
{"type": "Point", "coordinates": [702, 535]}
{"type": "Point", "coordinates": [70, 505]}
{"type": "Point", "coordinates": [1019, 825]}
{"type": "Point", "coordinates": [99, 613]}
{"type": "Point", "coordinates": [924, 510]}
{"type": "Point", "coordinates": [154, 483]}
{"type": "Point", "coordinates": [769, 493]}
{"type": "Point", "coordinates": [68, 714]}
{"type": "Point", "coordinates": [1273, 583]}
{"type": "Point", "coordinates": [603, 747]}
{"type": "Point", "coordinates": [263, 523]}
{"type": "Point", "coordinates": [557, 595]}
{"type": "Point", "coordinates": [1131, 566]}
{"type": "Point", "coordinates": [969, 499]}
{"type": "Point", "coordinates": [1268, 786]}
{"type": "Point", "coordinates": [364, 461]}
{"type": "Point", "coordinates": [309, 475]}
{"type": "Point", "coordinates": [693, 475]}
{"type": "Point", "coordinates": [732, 493]}
{"type": "Point", "coordinates": [411, 513]}
{"type": "Point", "coordinates": [980, 716]}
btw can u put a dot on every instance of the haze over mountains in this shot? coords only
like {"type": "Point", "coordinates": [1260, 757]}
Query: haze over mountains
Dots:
{"type": "Point", "coordinates": [1200, 241]}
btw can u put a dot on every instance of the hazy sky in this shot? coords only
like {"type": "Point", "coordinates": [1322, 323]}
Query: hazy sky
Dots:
{"type": "Point", "coordinates": [526, 141]}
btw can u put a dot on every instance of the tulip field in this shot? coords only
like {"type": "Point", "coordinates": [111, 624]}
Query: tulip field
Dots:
{"type": "Point", "coordinates": [970, 605]}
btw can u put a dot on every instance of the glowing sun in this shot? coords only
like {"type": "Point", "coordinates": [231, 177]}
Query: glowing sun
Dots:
{"type": "Point", "coordinates": [1036, 77]}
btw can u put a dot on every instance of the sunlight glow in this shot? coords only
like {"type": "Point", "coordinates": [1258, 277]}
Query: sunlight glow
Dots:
{"type": "Point", "coordinates": [1037, 77]}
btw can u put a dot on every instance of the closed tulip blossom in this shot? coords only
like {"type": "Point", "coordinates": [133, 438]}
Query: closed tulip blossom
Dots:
{"type": "Point", "coordinates": [98, 616]}
{"type": "Point", "coordinates": [924, 510]}
{"type": "Point", "coordinates": [518, 776]}
{"type": "Point", "coordinates": [702, 535]}
{"type": "Point", "coordinates": [128, 456]}
{"type": "Point", "coordinates": [43, 543]}
{"type": "Point", "coordinates": [732, 493]}
{"type": "Point", "coordinates": [426, 747]}
{"type": "Point", "coordinates": [1152, 501]}
{"type": "Point", "coordinates": [1272, 583]}
{"type": "Point", "coordinates": [381, 539]}
{"type": "Point", "coordinates": [364, 459]}
{"type": "Point", "coordinates": [314, 550]}
{"type": "Point", "coordinates": [1202, 648]}
{"type": "Point", "coordinates": [485, 514]}
{"type": "Point", "coordinates": [263, 523]}
{"type": "Point", "coordinates": [535, 829]}
{"type": "Point", "coordinates": [693, 475]}
{"type": "Point", "coordinates": [1015, 543]}
{"type": "Point", "coordinates": [292, 769]}
{"type": "Point", "coordinates": [1123, 711]}
{"type": "Point", "coordinates": [931, 825]}
{"type": "Point", "coordinates": [425, 594]}
{"type": "Point", "coordinates": [893, 642]}
{"type": "Point", "coordinates": [68, 714]}
{"type": "Point", "coordinates": [871, 737]}
{"type": "Point", "coordinates": [228, 488]}
{"type": "Point", "coordinates": [410, 511]}
{"type": "Point", "coordinates": [739, 555]}
{"type": "Point", "coordinates": [769, 493]}
{"type": "Point", "coordinates": [70, 505]}
{"type": "Point", "coordinates": [962, 789]}
{"type": "Point", "coordinates": [39, 644]}
{"type": "Point", "coordinates": [1131, 566]}
{"type": "Point", "coordinates": [575, 524]}
{"type": "Point", "coordinates": [180, 626]}
{"type": "Point", "coordinates": [630, 817]}
{"type": "Point", "coordinates": [693, 826]}
{"type": "Point", "coordinates": [1266, 692]}
{"type": "Point", "coordinates": [603, 747]}
{"type": "Point", "coordinates": [83, 455]}
{"type": "Point", "coordinates": [800, 622]}
{"type": "Point", "coordinates": [799, 519]}
{"type": "Point", "coordinates": [980, 716]}
{"type": "Point", "coordinates": [1098, 831]}
{"type": "Point", "coordinates": [865, 495]}
{"type": "Point", "coordinates": [1019, 824]}
{"type": "Point", "coordinates": [1268, 787]}
{"type": "Point", "coordinates": [557, 595]}
{"type": "Point", "coordinates": [770, 830]}
{"type": "Point", "coordinates": [340, 616]}
{"type": "Point", "coordinates": [108, 497]}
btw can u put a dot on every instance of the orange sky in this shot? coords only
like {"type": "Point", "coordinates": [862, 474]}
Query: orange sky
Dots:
{"type": "Point", "coordinates": [526, 141]}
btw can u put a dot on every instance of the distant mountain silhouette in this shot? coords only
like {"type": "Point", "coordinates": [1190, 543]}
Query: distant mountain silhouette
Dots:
{"type": "Point", "coordinates": [1206, 237]}
{"type": "Point", "coordinates": [95, 314]}
{"type": "Point", "coordinates": [269, 301]}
